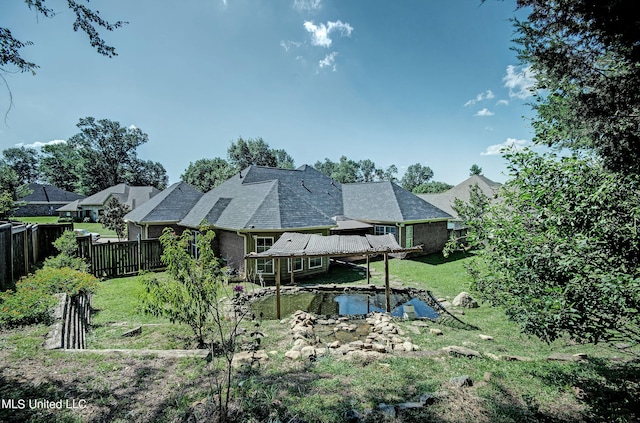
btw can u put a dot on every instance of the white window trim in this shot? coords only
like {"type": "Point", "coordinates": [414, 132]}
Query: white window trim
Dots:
{"type": "Point", "coordinates": [318, 266]}
{"type": "Point", "coordinates": [265, 261]}
{"type": "Point", "coordinates": [385, 229]}
{"type": "Point", "coordinates": [289, 261]}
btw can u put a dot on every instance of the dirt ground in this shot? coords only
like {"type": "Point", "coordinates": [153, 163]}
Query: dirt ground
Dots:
{"type": "Point", "coordinates": [115, 387]}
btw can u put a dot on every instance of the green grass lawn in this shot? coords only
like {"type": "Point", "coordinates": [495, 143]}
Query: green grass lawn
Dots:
{"type": "Point", "coordinates": [91, 227]}
{"type": "Point", "coordinates": [603, 388]}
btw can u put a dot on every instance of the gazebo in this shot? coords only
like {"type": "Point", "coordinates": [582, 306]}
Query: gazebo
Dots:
{"type": "Point", "coordinates": [293, 245]}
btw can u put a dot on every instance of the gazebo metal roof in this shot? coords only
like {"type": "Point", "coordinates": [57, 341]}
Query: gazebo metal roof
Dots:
{"type": "Point", "coordinates": [293, 244]}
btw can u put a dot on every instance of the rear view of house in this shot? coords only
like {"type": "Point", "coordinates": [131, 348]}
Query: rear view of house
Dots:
{"type": "Point", "coordinates": [251, 210]}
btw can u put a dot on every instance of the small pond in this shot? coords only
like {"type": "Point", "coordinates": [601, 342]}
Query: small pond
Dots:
{"type": "Point", "coordinates": [340, 303]}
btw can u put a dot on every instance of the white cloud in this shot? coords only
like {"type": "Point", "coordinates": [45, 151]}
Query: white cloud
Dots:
{"type": "Point", "coordinates": [320, 33]}
{"type": "Point", "coordinates": [39, 144]}
{"type": "Point", "coordinates": [502, 103]}
{"type": "Point", "coordinates": [509, 144]}
{"type": "Point", "coordinates": [487, 95]}
{"type": "Point", "coordinates": [484, 112]}
{"type": "Point", "coordinates": [132, 127]}
{"type": "Point", "coordinates": [519, 81]}
{"type": "Point", "coordinates": [307, 5]}
{"type": "Point", "coordinates": [329, 61]}
{"type": "Point", "coordinates": [288, 45]}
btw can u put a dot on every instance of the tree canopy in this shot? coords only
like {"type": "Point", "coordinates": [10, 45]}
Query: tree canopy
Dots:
{"type": "Point", "coordinates": [244, 153]}
{"type": "Point", "coordinates": [585, 55]}
{"type": "Point", "coordinates": [415, 176]}
{"type": "Point", "coordinates": [108, 156]}
{"type": "Point", "coordinates": [562, 251]}
{"type": "Point", "coordinates": [349, 171]}
{"type": "Point", "coordinates": [87, 20]}
{"type": "Point", "coordinates": [561, 246]}
{"type": "Point", "coordinates": [206, 174]}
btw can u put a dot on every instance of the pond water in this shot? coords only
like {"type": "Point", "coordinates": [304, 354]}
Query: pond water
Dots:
{"type": "Point", "coordinates": [342, 304]}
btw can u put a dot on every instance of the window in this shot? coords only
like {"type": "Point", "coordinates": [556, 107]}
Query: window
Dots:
{"type": "Point", "coordinates": [263, 244]}
{"type": "Point", "coordinates": [315, 262]}
{"type": "Point", "coordinates": [408, 236]}
{"type": "Point", "coordinates": [297, 264]}
{"type": "Point", "coordinates": [383, 230]}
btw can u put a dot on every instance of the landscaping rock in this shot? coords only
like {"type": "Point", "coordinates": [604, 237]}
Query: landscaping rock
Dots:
{"type": "Point", "coordinates": [387, 410]}
{"type": "Point", "coordinates": [292, 354]}
{"type": "Point", "coordinates": [485, 337]}
{"type": "Point", "coordinates": [461, 381]}
{"type": "Point", "coordinates": [465, 300]}
{"type": "Point", "coordinates": [133, 332]}
{"type": "Point", "coordinates": [566, 357]}
{"type": "Point", "coordinates": [462, 351]}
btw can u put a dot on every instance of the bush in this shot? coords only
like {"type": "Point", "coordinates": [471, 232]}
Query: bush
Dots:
{"type": "Point", "coordinates": [65, 219]}
{"type": "Point", "coordinates": [67, 245]}
{"type": "Point", "coordinates": [33, 300]}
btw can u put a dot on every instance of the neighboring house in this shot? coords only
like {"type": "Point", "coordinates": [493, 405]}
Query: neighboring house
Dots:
{"type": "Point", "coordinates": [164, 210]}
{"type": "Point", "coordinates": [392, 209]}
{"type": "Point", "coordinates": [93, 206]}
{"type": "Point", "coordinates": [445, 200]}
{"type": "Point", "coordinates": [252, 209]}
{"type": "Point", "coordinates": [44, 200]}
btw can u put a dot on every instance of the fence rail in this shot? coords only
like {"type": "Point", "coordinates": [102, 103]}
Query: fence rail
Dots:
{"type": "Point", "coordinates": [123, 258]}
{"type": "Point", "coordinates": [22, 246]}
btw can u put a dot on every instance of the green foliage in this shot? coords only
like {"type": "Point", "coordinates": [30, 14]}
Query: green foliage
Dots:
{"type": "Point", "coordinates": [475, 170]}
{"type": "Point", "coordinates": [348, 171]}
{"type": "Point", "coordinates": [87, 20]}
{"type": "Point", "coordinates": [585, 57]}
{"type": "Point", "coordinates": [108, 156]}
{"type": "Point", "coordinates": [113, 217]}
{"type": "Point", "coordinates": [206, 174]}
{"type": "Point", "coordinates": [244, 153]}
{"type": "Point", "coordinates": [60, 166]}
{"type": "Point", "coordinates": [562, 249]}
{"type": "Point", "coordinates": [432, 187]}
{"type": "Point", "coordinates": [33, 299]}
{"type": "Point", "coordinates": [190, 296]}
{"type": "Point", "coordinates": [415, 176]}
{"type": "Point", "coordinates": [11, 190]}
{"type": "Point", "coordinates": [67, 245]}
{"type": "Point", "coordinates": [24, 161]}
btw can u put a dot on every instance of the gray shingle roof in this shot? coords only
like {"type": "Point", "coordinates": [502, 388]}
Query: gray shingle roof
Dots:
{"type": "Point", "coordinates": [386, 202]}
{"type": "Point", "coordinates": [445, 199]}
{"type": "Point", "coordinates": [43, 193]}
{"type": "Point", "coordinates": [269, 198]}
{"type": "Point", "coordinates": [170, 205]}
{"type": "Point", "coordinates": [282, 199]}
{"type": "Point", "coordinates": [131, 196]}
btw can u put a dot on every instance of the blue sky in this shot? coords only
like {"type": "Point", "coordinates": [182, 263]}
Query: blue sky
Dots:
{"type": "Point", "coordinates": [432, 82]}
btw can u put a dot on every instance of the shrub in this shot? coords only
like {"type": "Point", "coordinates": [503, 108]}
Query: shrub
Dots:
{"type": "Point", "coordinates": [33, 299]}
{"type": "Point", "coordinates": [67, 245]}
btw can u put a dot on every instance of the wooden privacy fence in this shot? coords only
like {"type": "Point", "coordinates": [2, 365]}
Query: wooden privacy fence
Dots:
{"type": "Point", "coordinates": [123, 258]}
{"type": "Point", "coordinates": [22, 246]}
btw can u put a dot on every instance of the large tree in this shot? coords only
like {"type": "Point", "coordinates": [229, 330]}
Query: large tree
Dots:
{"type": "Point", "coordinates": [11, 190]}
{"type": "Point", "coordinates": [562, 250]}
{"type": "Point", "coordinates": [561, 246]}
{"type": "Point", "coordinates": [585, 55]}
{"type": "Point", "coordinates": [206, 174]}
{"type": "Point", "coordinates": [415, 176]}
{"type": "Point", "coordinates": [60, 166]}
{"type": "Point", "coordinates": [108, 156]}
{"type": "Point", "coordinates": [87, 20]}
{"type": "Point", "coordinates": [244, 153]}
{"type": "Point", "coordinates": [24, 161]}
{"type": "Point", "coordinates": [348, 171]}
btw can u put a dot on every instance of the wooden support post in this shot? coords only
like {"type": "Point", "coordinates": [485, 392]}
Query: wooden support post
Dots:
{"type": "Point", "coordinates": [277, 270]}
{"type": "Point", "coordinates": [368, 273]}
{"type": "Point", "coordinates": [386, 281]}
{"type": "Point", "coordinates": [292, 263]}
